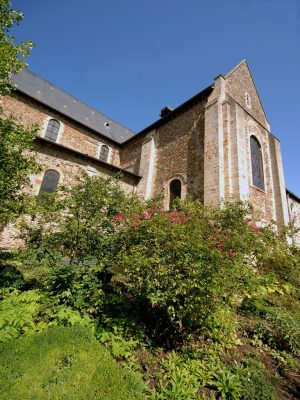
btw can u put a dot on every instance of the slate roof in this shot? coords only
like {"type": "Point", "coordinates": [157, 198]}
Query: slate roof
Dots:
{"type": "Point", "coordinates": [50, 95]}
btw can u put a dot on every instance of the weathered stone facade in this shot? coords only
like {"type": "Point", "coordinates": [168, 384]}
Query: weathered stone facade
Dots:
{"type": "Point", "coordinates": [294, 213]}
{"type": "Point", "coordinates": [204, 144]}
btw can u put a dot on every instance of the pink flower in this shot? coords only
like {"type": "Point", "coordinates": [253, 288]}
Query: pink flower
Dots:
{"type": "Point", "coordinates": [212, 223]}
{"type": "Point", "coordinates": [215, 298]}
{"type": "Point", "coordinates": [135, 226]}
{"type": "Point", "coordinates": [147, 214]}
{"type": "Point", "coordinates": [255, 228]}
{"type": "Point", "coordinates": [119, 217]}
{"type": "Point", "coordinates": [220, 245]}
{"type": "Point", "coordinates": [153, 305]}
{"type": "Point", "coordinates": [174, 217]}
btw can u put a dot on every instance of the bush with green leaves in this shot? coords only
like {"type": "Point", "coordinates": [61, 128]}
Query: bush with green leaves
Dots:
{"type": "Point", "coordinates": [25, 313]}
{"type": "Point", "coordinates": [76, 225]}
{"type": "Point", "coordinates": [64, 363]}
{"type": "Point", "coordinates": [177, 269]}
{"type": "Point", "coordinates": [180, 266]}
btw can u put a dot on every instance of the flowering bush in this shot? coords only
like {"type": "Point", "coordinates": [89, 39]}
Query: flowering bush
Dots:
{"type": "Point", "coordinates": [175, 269]}
{"type": "Point", "coordinates": [179, 265]}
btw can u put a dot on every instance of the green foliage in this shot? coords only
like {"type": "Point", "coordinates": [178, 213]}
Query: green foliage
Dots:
{"type": "Point", "coordinates": [30, 312]}
{"type": "Point", "coordinates": [11, 55]}
{"type": "Point", "coordinates": [78, 225]}
{"type": "Point", "coordinates": [256, 384]}
{"type": "Point", "coordinates": [64, 363]}
{"type": "Point", "coordinates": [78, 287]}
{"type": "Point", "coordinates": [16, 164]}
{"type": "Point", "coordinates": [227, 384]}
{"type": "Point", "coordinates": [198, 280]}
{"type": "Point", "coordinates": [184, 263]}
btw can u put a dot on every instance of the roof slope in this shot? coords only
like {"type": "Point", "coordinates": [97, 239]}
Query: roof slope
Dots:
{"type": "Point", "coordinates": [41, 90]}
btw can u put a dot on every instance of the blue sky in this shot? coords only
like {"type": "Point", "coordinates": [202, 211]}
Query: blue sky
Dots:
{"type": "Point", "coordinates": [130, 58]}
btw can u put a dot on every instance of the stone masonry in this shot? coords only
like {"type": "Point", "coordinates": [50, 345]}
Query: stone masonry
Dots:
{"type": "Point", "coordinates": [204, 143]}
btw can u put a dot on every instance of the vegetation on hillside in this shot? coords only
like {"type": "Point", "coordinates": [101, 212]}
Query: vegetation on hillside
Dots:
{"type": "Point", "coordinates": [200, 302]}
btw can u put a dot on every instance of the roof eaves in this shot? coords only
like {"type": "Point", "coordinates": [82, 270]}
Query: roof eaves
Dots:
{"type": "Point", "coordinates": [291, 194]}
{"type": "Point", "coordinates": [42, 140]}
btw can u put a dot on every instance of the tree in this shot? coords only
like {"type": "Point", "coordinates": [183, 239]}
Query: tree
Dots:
{"type": "Point", "coordinates": [11, 55]}
{"type": "Point", "coordinates": [16, 164]}
{"type": "Point", "coordinates": [16, 141]}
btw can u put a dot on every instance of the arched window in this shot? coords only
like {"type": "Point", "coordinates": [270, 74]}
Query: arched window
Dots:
{"type": "Point", "coordinates": [50, 182]}
{"type": "Point", "coordinates": [104, 153]}
{"type": "Point", "coordinates": [257, 163]}
{"type": "Point", "coordinates": [52, 130]}
{"type": "Point", "coordinates": [175, 191]}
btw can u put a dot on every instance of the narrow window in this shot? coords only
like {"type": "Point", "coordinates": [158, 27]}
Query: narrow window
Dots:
{"type": "Point", "coordinates": [175, 191]}
{"type": "Point", "coordinates": [52, 130]}
{"type": "Point", "coordinates": [104, 153]}
{"type": "Point", "coordinates": [257, 163]}
{"type": "Point", "coordinates": [50, 182]}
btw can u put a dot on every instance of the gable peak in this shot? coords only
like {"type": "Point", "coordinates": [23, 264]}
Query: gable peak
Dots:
{"type": "Point", "coordinates": [244, 61]}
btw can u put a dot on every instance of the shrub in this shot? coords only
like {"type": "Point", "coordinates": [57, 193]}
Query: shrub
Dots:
{"type": "Point", "coordinates": [180, 265]}
{"type": "Point", "coordinates": [63, 363]}
{"type": "Point", "coordinates": [78, 287]}
{"type": "Point", "coordinates": [30, 312]}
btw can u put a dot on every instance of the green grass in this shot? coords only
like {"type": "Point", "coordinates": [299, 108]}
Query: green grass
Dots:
{"type": "Point", "coordinates": [63, 363]}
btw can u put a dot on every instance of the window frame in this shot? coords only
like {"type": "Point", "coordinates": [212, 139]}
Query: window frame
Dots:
{"type": "Point", "coordinates": [260, 158]}
{"type": "Point", "coordinates": [40, 192]}
{"type": "Point", "coordinates": [45, 126]}
{"type": "Point", "coordinates": [108, 152]}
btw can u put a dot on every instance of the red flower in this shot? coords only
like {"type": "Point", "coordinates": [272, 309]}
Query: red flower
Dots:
{"type": "Point", "coordinates": [135, 226]}
{"type": "Point", "coordinates": [119, 217]}
{"type": "Point", "coordinates": [220, 245]}
{"type": "Point", "coordinates": [174, 217]}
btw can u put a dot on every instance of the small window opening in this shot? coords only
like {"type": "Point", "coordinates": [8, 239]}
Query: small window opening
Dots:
{"type": "Point", "coordinates": [248, 100]}
{"type": "Point", "coordinates": [104, 153]}
{"type": "Point", "coordinates": [50, 182]}
{"type": "Point", "coordinates": [175, 191]}
{"type": "Point", "coordinates": [52, 130]}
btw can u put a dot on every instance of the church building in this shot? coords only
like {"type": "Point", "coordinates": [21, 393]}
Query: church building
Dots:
{"type": "Point", "coordinates": [216, 146]}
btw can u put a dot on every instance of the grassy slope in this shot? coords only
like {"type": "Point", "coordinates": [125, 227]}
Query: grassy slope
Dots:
{"type": "Point", "coordinates": [63, 363]}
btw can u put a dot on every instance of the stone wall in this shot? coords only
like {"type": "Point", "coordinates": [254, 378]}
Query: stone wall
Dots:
{"type": "Point", "coordinates": [71, 167]}
{"type": "Point", "coordinates": [179, 153]}
{"type": "Point", "coordinates": [28, 111]}
{"type": "Point", "coordinates": [239, 84]}
{"type": "Point", "coordinates": [247, 118]}
{"type": "Point", "coordinates": [130, 155]}
{"type": "Point", "coordinates": [294, 211]}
